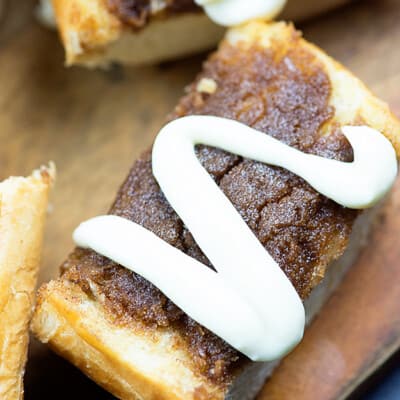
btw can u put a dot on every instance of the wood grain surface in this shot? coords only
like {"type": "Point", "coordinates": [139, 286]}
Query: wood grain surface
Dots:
{"type": "Point", "coordinates": [94, 123]}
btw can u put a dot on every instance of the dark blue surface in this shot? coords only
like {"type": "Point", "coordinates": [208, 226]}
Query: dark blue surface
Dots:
{"type": "Point", "coordinates": [388, 388]}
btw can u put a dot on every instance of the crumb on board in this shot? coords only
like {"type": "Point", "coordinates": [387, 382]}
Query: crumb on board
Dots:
{"type": "Point", "coordinates": [206, 85]}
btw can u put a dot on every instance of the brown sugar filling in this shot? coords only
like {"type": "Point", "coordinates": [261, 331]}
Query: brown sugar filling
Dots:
{"type": "Point", "coordinates": [286, 94]}
{"type": "Point", "coordinates": [137, 13]}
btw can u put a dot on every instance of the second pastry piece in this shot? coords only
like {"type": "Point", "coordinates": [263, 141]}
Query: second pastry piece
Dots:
{"type": "Point", "coordinates": [23, 208]}
{"type": "Point", "coordinates": [122, 331]}
{"type": "Point", "coordinates": [97, 32]}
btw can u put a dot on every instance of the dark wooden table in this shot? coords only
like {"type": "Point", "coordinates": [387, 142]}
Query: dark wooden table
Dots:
{"type": "Point", "coordinates": [94, 123]}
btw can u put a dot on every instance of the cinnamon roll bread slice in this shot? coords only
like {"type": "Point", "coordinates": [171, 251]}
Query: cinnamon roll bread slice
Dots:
{"type": "Point", "coordinates": [121, 330]}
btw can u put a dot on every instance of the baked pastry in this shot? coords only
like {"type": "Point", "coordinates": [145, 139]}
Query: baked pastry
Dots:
{"type": "Point", "coordinates": [97, 32]}
{"type": "Point", "coordinates": [121, 330]}
{"type": "Point", "coordinates": [23, 207]}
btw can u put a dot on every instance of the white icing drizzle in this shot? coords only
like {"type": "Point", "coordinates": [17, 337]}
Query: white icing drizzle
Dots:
{"type": "Point", "coordinates": [249, 302]}
{"type": "Point", "coordinates": [236, 12]}
{"type": "Point", "coordinates": [45, 14]}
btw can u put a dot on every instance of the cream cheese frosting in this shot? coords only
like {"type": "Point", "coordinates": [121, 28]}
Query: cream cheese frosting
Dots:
{"type": "Point", "coordinates": [247, 282]}
{"type": "Point", "coordinates": [236, 12]}
{"type": "Point", "coordinates": [45, 14]}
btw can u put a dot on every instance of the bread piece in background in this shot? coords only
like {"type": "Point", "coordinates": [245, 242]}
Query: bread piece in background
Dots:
{"type": "Point", "coordinates": [23, 208]}
{"type": "Point", "coordinates": [97, 32]}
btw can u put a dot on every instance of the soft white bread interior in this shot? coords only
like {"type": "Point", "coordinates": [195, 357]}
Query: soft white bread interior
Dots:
{"type": "Point", "coordinates": [23, 207]}
{"type": "Point", "coordinates": [93, 36]}
{"type": "Point", "coordinates": [134, 364]}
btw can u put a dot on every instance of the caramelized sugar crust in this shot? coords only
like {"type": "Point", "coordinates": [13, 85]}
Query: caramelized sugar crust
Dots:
{"type": "Point", "coordinates": [137, 13]}
{"type": "Point", "coordinates": [285, 93]}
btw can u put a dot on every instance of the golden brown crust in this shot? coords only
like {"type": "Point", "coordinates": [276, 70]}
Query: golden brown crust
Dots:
{"type": "Point", "coordinates": [130, 364]}
{"type": "Point", "coordinates": [85, 26]}
{"type": "Point", "coordinates": [23, 206]}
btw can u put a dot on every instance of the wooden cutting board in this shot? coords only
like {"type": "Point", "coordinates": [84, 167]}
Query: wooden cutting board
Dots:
{"type": "Point", "coordinates": [93, 124]}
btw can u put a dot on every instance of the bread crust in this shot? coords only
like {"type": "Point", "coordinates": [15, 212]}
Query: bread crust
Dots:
{"type": "Point", "coordinates": [23, 206]}
{"type": "Point", "coordinates": [77, 328]}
